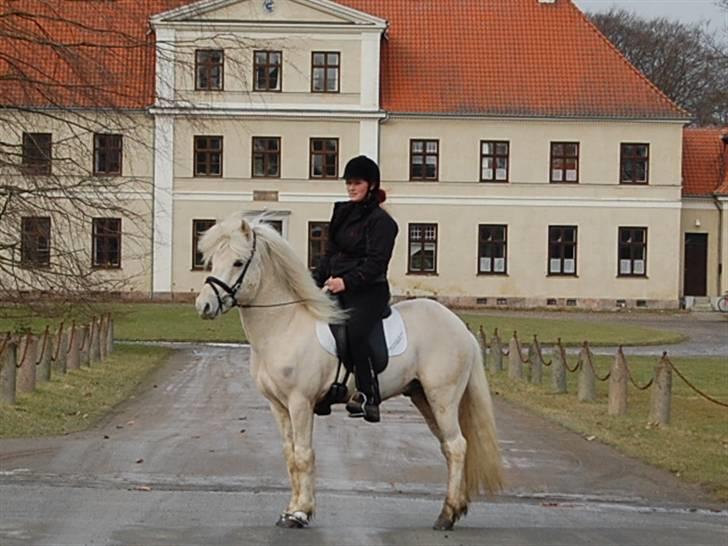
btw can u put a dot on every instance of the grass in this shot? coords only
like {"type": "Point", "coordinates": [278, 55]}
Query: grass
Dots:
{"type": "Point", "coordinates": [179, 322]}
{"type": "Point", "coordinates": [81, 397]}
{"type": "Point", "coordinates": [695, 445]}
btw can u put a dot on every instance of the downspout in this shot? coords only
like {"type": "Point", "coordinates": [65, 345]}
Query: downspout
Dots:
{"type": "Point", "coordinates": [716, 202]}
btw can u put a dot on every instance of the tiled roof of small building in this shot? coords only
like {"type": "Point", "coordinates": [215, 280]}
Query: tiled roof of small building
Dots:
{"type": "Point", "coordinates": [705, 163]}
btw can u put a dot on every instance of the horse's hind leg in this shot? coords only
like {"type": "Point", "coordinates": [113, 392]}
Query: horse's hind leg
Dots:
{"type": "Point", "coordinates": [420, 401]}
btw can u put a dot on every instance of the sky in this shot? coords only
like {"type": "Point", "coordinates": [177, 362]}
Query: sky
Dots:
{"type": "Point", "coordinates": [684, 10]}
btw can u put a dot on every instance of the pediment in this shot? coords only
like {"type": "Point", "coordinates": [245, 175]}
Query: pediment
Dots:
{"type": "Point", "coordinates": [268, 11]}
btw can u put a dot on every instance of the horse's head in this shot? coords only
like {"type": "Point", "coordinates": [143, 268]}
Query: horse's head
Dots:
{"type": "Point", "coordinates": [231, 249]}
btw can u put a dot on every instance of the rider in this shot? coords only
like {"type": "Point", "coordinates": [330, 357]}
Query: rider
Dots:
{"type": "Point", "coordinates": [361, 239]}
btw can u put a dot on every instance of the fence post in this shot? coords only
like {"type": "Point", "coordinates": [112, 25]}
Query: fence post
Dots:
{"type": "Point", "coordinates": [110, 335]}
{"type": "Point", "coordinates": [661, 395]}
{"type": "Point", "coordinates": [103, 326]}
{"type": "Point", "coordinates": [60, 361]}
{"type": "Point", "coordinates": [496, 353]}
{"type": "Point", "coordinates": [515, 369]}
{"type": "Point", "coordinates": [28, 357]}
{"type": "Point", "coordinates": [73, 361]}
{"type": "Point", "coordinates": [85, 348]}
{"type": "Point", "coordinates": [534, 356]}
{"type": "Point", "coordinates": [558, 369]}
{"type": "Point", "coordinates": [95, 352]}
{"type": "Point", "coordinates": [617, 405]}
{"type": "Point", "coordinates": [44, 361]}
{"type": "Point", "coordinates": [8, 363]}
{"type": "Point", "coordinates": [586, 391]}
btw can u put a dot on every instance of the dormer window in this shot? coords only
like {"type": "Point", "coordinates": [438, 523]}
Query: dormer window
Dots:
{"type": "Point", "coordinates": [325, 71]}
{"type": "Point", "coordinates": [267, 68]}
{"type": "Point", "coordinates": [209, 68]}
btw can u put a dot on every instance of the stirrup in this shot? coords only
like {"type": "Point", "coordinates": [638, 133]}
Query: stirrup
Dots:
{"type": "Point", "coordinates": [356, 407]}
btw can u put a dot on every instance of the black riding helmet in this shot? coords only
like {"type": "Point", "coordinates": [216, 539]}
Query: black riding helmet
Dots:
{"type": "Point", "coordinates": [365, 169]}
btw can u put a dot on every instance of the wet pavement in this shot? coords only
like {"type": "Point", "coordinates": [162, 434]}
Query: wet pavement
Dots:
{"type": "Point", "coordinates": [195, 458]}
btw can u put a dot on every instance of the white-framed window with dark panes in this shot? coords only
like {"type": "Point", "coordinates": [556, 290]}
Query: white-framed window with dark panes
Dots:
{"type": "Point", "coordinates": [106, 243]}
{"type": "Point", "coordinates": [266, 157]}
{"type": "Point", "coordinates": [208, 156]}
{"type": "Point", "coordinates": [422, 249]}
{"type": "Point", "coordinates": [632, 252]}
{"type": "Point", "coordinates": [108, 150]}
{"type": "Point", "coordinates": [267, 70]}
{"type": "Point", "coordinates": [318, 242]}
{"type": "Point", "coordinates": [325, 71]}
{"type": "Point", "coordinates": [564, 162]}
{"type": "Point", "coordinates": [424, 159]}
{"type": "Point", "coordinates": [209, 69]}
{"type": "Point", "coordinates": [634, 163]}
{"type": "Point", "coordinates": [562, 250]}
{"type": "Point", "coordinates": [324, 158]}
{"type": "Point", "coordinates": [199, 227]}
{"type": "Point", "coordinates": [36, 153]}
{"type": "Point", "coordinates": [35, 241]}
{"type": "Point", "coordinates": [492, 249]}
{"type": "Point", "coordinates": [494, 159]}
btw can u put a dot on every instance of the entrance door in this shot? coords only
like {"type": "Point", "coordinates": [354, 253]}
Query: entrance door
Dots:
{"type": "Point", "coordinates": [696, 264]}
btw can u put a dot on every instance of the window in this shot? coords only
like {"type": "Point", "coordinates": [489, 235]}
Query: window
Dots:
{"type": "Point", "coordinates": [632, 252]}
{"type": "Point", "coordinates": [324, 158]}
{"type": "Point", "coordinates": [107, 154]}
{"type": "Point", "coordinates": [208, 156]}
{"type": "Point", "coordinates": [318, 242]}
{"type": "Point", "coordinates": [634, 163]}
{"type": "Point", "coordinates": [325, 72]}
{"type": "Point", "coordinates": [494, 161]}
{"type": "Point", "coordinates": [422, 248]}
{"type": "Point", "coordinates": [565, 162]}
{"type": "Point", "coordinates": [106, 246]}
{"type": "Point", "coordinates": [424, 155]}
{"type": "Point", "coordinates": [209, 69]}
{"type": "Point", "coordinates": [267, 70]}
{"type": "Point", "coordinates": [492, 246]}
{"type": "Point", "coordinates": [562, 250]}
{"type": "Point", "coordinates": [37, 153]}
{"type": "Point", "coordinates": [199, 227]}
{"type": "Point", "coordinates": [266, 157]}
{"type": "Point", "coordinates": [35, 241]}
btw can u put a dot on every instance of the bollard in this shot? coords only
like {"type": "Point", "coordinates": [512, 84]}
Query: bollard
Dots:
{"type": "Point", "coordinates": [496, 354]}
{"type": "Point", "coordinates": [558, 370]}
{"type": "Point", "coordinates": [515, 368]}
{"type": "Point", "coordinates": [73, 361]}
{"type": "Point", "coordinates": [586, 391]}
{"type": "Point", "coordinates": [617, 405]}
{"type": "Point", "coordinates": [8, 363]}
{"type": "Point", "coordinates": [103, 326]}
{"type": "Point", "coordinates": [60, 360]}
{"type": "Point", "coordinates": [110, 336]}
{"type": "Point", "coordinates": [482, 341]}
{"type": "Point", "coordinates": [85, 348]}
{"type": "Point", "coordinates": [661, 395]}
{"type": "Point", "coordinates": [28, 355]}
{"type": "Point", "coordinates": [95, 346]}
{"type": "Point", "coordinates": [534, 357]}
{"type": "Point", "coordinates": [43, 373]}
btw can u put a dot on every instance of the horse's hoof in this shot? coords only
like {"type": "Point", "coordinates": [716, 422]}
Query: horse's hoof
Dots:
{"type": "Point", "coordinates": [443, 523]}
{"type": "Point", "coordinates": [292, 521]}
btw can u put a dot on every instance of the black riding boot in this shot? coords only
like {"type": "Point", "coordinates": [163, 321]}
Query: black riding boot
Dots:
{"type": "Point", "coordinates": [365, 402]}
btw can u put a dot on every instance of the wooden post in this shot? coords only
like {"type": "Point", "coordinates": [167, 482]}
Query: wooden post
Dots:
{"type": "Point", "coordinates": [496, 353]}
{"type": "Point", "coordinates": [73, 357]}
{"type": "Point", "coordinates": [618, 386]}
{"type": "Point", "coordinates": [110, 336]}
{"type": "Point", "coordinates": [586, 391]}
{"type": "Point", "coordinates": [44, 360]}
{"type": "Point", "coordinates": [85, 349]}
{"type": "Point", "coordinates": [661, 395]}
{"type": "Point", "coordinates": [534, 356]}
{"type": "Point", "coordinates": [558, 370]}
{"type": "Point", "coordinates": [8, 362]}
{"type": "Point", "coordinates": [61, 352]}
{"type": "Point", "coordinates": [28, 352]}
{"type": "Point", "coordinates": [515, 369]}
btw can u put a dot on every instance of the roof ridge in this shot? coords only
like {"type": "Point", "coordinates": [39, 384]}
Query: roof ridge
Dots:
{"type": "Point", "coordinates": [624, 59]}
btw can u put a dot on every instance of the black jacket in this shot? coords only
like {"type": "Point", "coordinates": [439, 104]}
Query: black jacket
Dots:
{"type": "Point", "coordinates": [361, 240]}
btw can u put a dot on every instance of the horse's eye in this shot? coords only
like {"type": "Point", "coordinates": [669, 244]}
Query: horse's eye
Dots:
{"type": "Point", "coordinates": [238, 263]}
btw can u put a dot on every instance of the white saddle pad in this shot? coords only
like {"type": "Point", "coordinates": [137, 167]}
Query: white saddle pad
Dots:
{"type": "Point", "coordinates": [394, 333]}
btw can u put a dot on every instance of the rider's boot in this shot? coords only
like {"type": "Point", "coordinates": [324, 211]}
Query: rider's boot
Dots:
{"type": "Point", "coordinates": [365, 402]}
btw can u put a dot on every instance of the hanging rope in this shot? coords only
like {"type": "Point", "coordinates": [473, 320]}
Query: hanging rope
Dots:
{"type": "Point", "coordinates": [504, 352]}
{"type": "Point", "coordinates": [5, 344]}
{"type": "Point", "coordinates": [72, 337]}
{"type": "Point", "coordinates": [59, 342]}
{"type": "Point", "coordinates": [43, 349]}
{"type": "Point", "coordinates": [591, 364]}
{"type": "Point", "coordinates": [629, 374]}
{"type": "Point", "coordinates": [537, 346]}
{"type": "Point", "coordinates": [565, 360]}
{"type": "Point", "coordinates": [25, 351]}
{"type": "Point", "coordinates": [520, 350]}
{"type": "Point", "coordinates": [689, 384]}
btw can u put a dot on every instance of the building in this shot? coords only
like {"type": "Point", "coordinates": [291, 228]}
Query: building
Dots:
{"type": "Point", "coordinates": [527, 163]}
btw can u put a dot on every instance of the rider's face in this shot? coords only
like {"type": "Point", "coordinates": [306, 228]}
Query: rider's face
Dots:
{"type": "Point", "coordinates": [357, 189]}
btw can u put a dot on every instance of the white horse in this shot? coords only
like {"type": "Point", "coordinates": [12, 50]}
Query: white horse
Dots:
{"type": "Point", "coordinates": [255, 269]}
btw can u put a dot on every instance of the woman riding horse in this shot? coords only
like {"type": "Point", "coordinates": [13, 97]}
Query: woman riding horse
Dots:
{"type": "Point", "coordinates": [361, 239]}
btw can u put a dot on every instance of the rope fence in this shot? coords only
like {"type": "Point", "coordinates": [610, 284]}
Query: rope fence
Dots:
{"type": "Point", "coordinates": [619, 376]}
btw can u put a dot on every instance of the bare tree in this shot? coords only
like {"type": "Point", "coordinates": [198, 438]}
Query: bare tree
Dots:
{"type": "Point", "coordinates": [686, 62]}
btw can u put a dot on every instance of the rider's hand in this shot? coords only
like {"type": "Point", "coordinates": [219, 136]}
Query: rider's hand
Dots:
{"type": "Point", "coordinates": [335, 285]}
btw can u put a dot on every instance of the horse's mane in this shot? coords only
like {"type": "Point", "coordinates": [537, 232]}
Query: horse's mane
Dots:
{"type": "Point", "coordinates": [281, 261]}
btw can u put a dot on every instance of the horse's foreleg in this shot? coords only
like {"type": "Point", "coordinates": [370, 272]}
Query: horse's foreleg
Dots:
{"type": "Point", "coordinates": [301, 413]}
{"type": "Point", "coordinates": [284, 425]}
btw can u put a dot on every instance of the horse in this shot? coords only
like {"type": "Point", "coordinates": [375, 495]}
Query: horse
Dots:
{"type": "Point", "coordinates": [254, 269]}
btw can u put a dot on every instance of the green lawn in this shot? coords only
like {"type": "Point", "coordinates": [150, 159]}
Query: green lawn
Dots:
{"type": "Point", "coordinates": [179, 322]}
{"type": "Point", "coordinates": [77, 400]}
{"type": "Point", "coordinates": [694, 447]}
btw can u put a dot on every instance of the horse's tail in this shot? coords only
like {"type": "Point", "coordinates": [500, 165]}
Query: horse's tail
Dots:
{"type": "Point", "coordinates": [483, 463]}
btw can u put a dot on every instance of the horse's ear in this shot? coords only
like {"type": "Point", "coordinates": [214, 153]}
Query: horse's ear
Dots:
{"type": "Point", "coordinates": [245, 228]}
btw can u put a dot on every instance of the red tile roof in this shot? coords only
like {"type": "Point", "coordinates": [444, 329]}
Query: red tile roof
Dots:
{"type": "Point", "coordinates": [494, 57]}
{"type": "Point", "coordinates": [705, 162]}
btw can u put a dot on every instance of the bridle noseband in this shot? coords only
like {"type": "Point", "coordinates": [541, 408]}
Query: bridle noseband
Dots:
{"type": "Point", "coordinates": [230, 291]}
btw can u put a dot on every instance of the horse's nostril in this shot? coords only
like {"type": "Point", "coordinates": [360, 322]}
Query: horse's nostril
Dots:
{"type": "Point", "coordinates": [207, 308]}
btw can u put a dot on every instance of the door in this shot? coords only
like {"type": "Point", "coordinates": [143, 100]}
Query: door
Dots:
{"type": "Point", "coordinates": [696, 264]}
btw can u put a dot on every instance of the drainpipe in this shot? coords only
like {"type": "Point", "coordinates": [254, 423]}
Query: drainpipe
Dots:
{"type": "Point", "coordinates": [716, 202]}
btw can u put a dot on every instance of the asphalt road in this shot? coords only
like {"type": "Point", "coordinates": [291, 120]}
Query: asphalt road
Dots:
{"type": "Point", "coordinates": [195, 459]}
